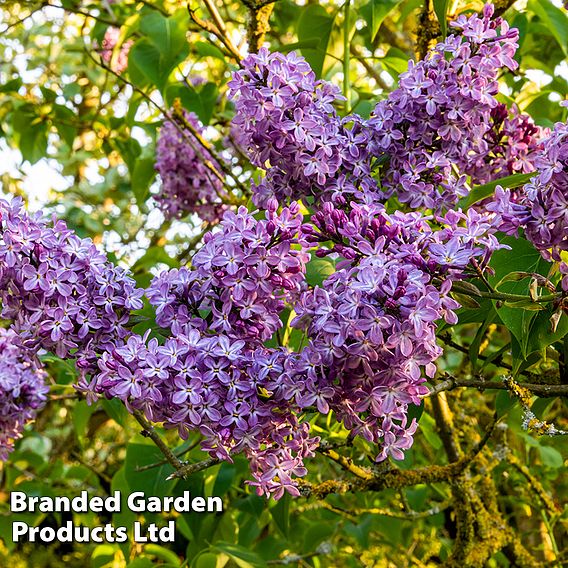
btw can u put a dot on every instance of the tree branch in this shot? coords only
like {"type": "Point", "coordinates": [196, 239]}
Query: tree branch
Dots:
{"type": "Point", "coordinates": [149, 432]}
{"type": "Point", "coordinates": [544, 391]}
{"type": "Point", "coordinates": [218, 29]}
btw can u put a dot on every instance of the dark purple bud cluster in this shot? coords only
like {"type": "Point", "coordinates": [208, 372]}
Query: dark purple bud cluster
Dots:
{"type": "Point", "coordinates": [22, 390]}
{"type": "Point", "coordinates": [541, 206]}
{"type": "Point", "coordinates": [513, 143]}
{"type": "Point", "coordinates": [189, 185]}
{"type": "Point", "coordinates": [61, 292]}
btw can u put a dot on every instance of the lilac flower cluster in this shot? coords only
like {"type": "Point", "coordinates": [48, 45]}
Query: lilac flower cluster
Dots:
{"type": "Point", "coordinates": [22, 390]}
{"type": "Point", "coordinates": [214, 372]}
{"type": "Point", "coordinates": [371, 325]}
{"type": "Point", "coordinates": [444, 122]}
{"type": "Point", "coordinates": [541, 206]}
{"type": "Point", "coordinates": [60, 291]}
{"type": "Point", "coordinates": [188, 185]}
{"type": "Point", "coordinates": [112, 35]}
{"type": "Point", "coordinates": [290, 128]}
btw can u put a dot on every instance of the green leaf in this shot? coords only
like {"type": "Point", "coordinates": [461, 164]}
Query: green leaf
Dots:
{"type": "Point", "coordinates": [415, 411]}
{"type": "Point", "coordinates": [541, 335]}
{"type": "Point", "coordinates": [281, 514]}
{"type": "Point", "coordinates": [81, 414]}
{"type": "Point", "coordinates": [551, 457]}
{"type": "Point", "coordinates": [163, 554]}
{"type": "Point", "coordinates": [428, 428]}
{"type": "Point", "coordinates": [142, 176]}
{"type": "Point", "coordinates": [102, 555]}
{"type": "Point", "coordinates": [318, 269]}
{"type": "Point", "coordinates": [315, 24]}
{"type": "Point", "coordinates": [201, 101]}
{"type": "Point", "coordinates": [480, 192]}
{"type": "Point", "coordinates": [395, 61]}
{"type": "Point", "coordinates": [518, 321]}
{"type": "Point", "coordinates": [166, 33]}
{"type": "Point", "coordinates": [31, 133]}
{"type": "Point", "coordinates": [151, 481]}
{"type": "Point", "coordinates": [205, 49]}
{"type": "Point", "coordinates": [380, 9]}
{"type": "Point", "coordinates": [11, 86]}
{"type": "Point", "coordinates": [116, 410]}
{"type": "Point", "coordinates": [140, 562]}
{"type": "Point", "coordinates": [476, 343]}
{"type": "Point", "coordinates": [209, 560]}
{"type": "Point", "coordinates": [441, 10]}
{"type": "Point", "coordinates": [504, 401]}
{"type": "Point", "coordinates": [224, 479]}
{"type": "Point", "coordinates": [144, 64]}
{"type": "Point", "coordinates": [63, 116]}
{"type": "Point", "coordinates": [153, 57]}
{"type": "Point", "coordinates": [555, 19]}
{"type": "Point", "coordinates": [522, 257]}
{"type": "Point", "coordinates": [240, 555]}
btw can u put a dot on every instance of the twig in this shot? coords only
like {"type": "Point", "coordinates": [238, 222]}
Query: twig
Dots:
{"type": "Point", "coordinates": [395, 478]}
{"type": "Point", "coordinates": [21, 20]}
{"type": "Point", "coordinates": [190, 468]}
{"type": "Point", "coordinates": [347, 464]}
{"type": "Point", "coordinates": [428, 29]}
{"type": "Point", "coordinates": [199, 139]}
{"type": "Point", "coordinates": [368, 67]}
{"type": "Point", "coordinates": [534, 483]}
{"type": "Point", "coordinates": [219, 32]}
{"type": "Point", "coordinates": [83, 13]}
{"type": "Point", "coordinates": [406, 515]}
{"type": "Point", "coordinates": [346, 53]}
{"type": "Point", "coordinates": [544, 391]}
{"type": "Point", "coordinates": [182, 470]}
{"type": "Point", "coordinates": [165, 461]}
{"type": "Point", "coordinates": [150, 432]}
{"type": "Point", "coordinates": [496, 360]}
{"type": "Point", "coordinates": [258, 25]}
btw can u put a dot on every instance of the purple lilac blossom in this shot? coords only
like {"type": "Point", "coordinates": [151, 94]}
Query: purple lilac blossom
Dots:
{"type": "Point", "coordinates": [443, 123]}
{"type": "Point", "coordinates": [188, 185]}
{"type": "Point", "coordinates": [110, 40]}
{"type": "Point", "coordinates": [61, 292]}
{"type": "Point", "coordinates": [371, 325]}
{"type": "Point", "coordinates": [22, 390]}
{"type": "Point", "coordinates": [290, 128]}
{"type": "Point", "coordinates": [214, 373]}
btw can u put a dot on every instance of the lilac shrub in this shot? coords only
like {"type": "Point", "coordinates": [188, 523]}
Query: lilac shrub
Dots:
{"type": "Point", "coordinates": [188, 185]}
{"type": "Point", "coordinates": [22, 390]}
{"type": "Point", "coordinates": [222, 366]}
{"type": "Point", "coordinates": [61, 292]}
